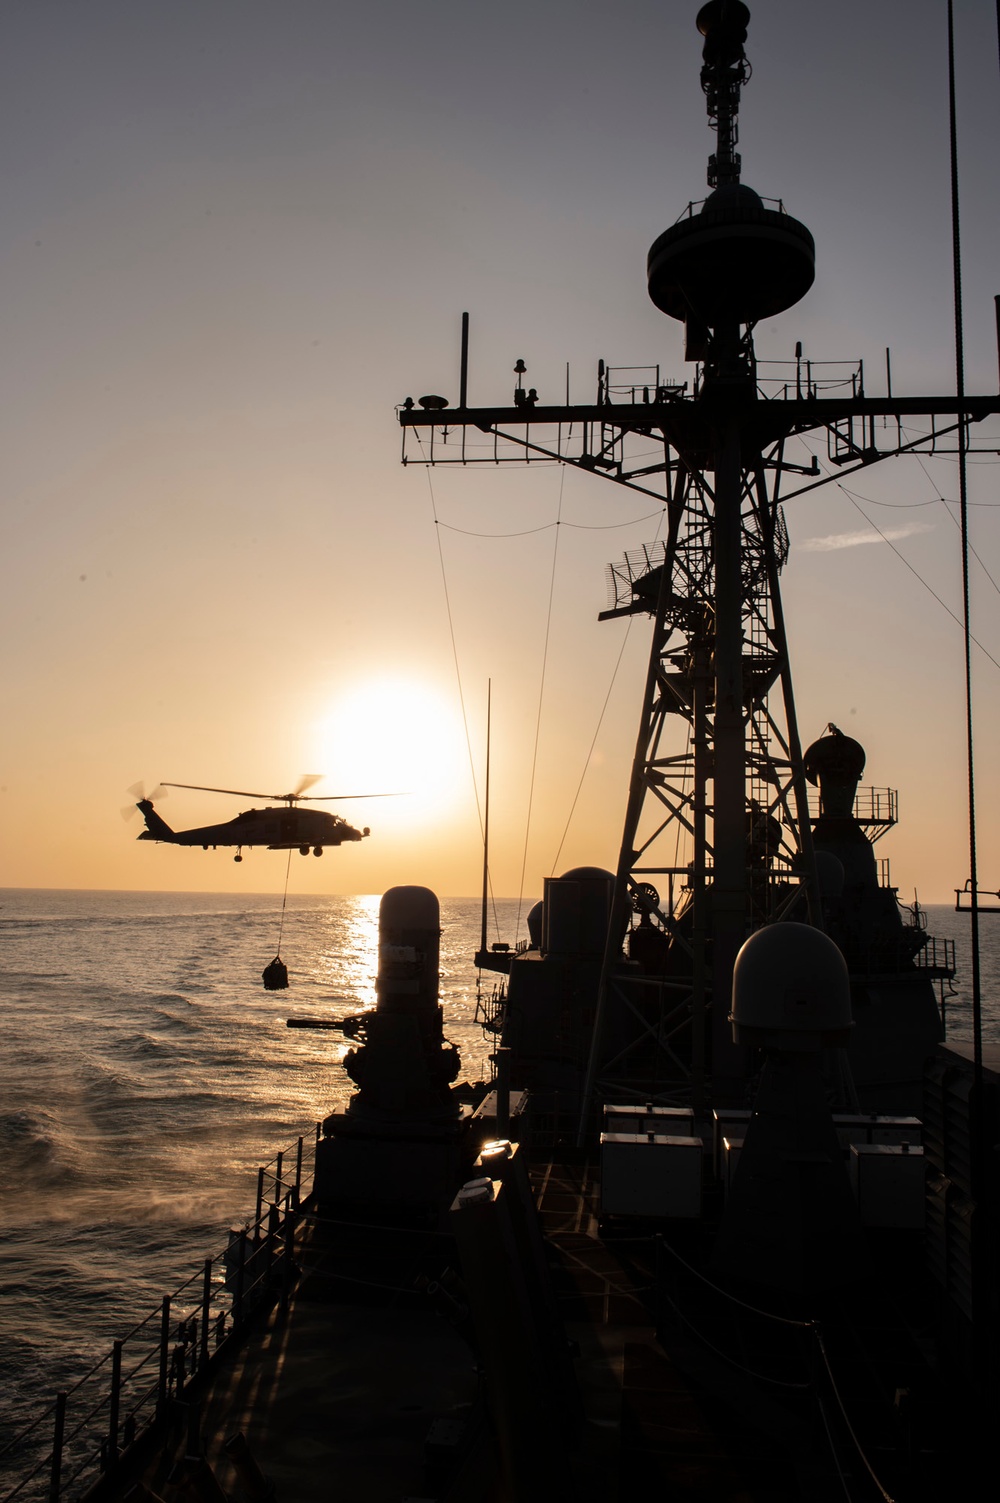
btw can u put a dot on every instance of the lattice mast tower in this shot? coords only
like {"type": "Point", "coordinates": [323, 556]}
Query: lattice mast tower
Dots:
{"type": "Point", "coordinates": [711, 586]}
{"type": "Point", "coordinates": [718, 634]}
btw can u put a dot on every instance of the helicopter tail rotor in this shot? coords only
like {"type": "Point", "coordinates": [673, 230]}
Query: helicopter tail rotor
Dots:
{"type": "Point", "coordinates": [137, 792]}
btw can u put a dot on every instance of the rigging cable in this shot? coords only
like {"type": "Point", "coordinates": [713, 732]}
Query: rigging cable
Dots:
{"type": "Point", "coordinates": [593, 743]}
{"type": "Point", "coordinates": [985, 440]}
{"type": "Point", "coordinates": [947, 503]}
{"type": "Point", "coordinates": [977, 1004]}
{"type": "Point", "coordinates": [929, 588]}
{"type": "Point", "coordinates": [454, 645]}
{"type": "Point", "coordinates": [611, 685]}
{"type": "Point", "coordinates": [854, 499]}
{"type": "Point", "coordinates": [541, 693]}
{"type": "Point", "coordinates": [458, 676]}
{"type": "Point", "coordinates": [527, 532]}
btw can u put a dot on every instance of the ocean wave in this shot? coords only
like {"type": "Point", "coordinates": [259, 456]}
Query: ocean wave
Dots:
{"type": "Point", "coordinates": [145, 1046]}
{"type": "Point", "coordinates": [29, 1130]}
{"type": "Point", "coordinates": [36, 1151]}
{"type": "Point", "coordinates": [35, 980]}
{"type": "Point", "coordinates": [163, 1002]}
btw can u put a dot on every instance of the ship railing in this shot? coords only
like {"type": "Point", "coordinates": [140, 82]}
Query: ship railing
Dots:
{"type": "Point", "coordinates": [922, 952]}
{"type": "Point", "coordinates": [936, 956]}
{"type": "Point", "coordinates": [803, 380]}
{"type": "Point", "coordinates": [636, 384]}
{"type": "Point", "coordinates": [96, 1423]}
{"type": "Point", "coordinates": [790, 1357]}
{"type": "Point", "coordinates": [874, 808]}
{"type": "Point", "coordinates": [697, 204]}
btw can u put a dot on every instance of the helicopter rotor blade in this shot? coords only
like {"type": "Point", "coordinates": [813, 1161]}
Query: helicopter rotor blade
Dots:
{"type": "Point", "coordinates": [236, 792]}
{"type": "Point", "coordinates": [282, 798]}
{"type": "Point", "coordinates": [285, 798]}
{"type": "Point", "coordinates": [307, 780]}
{"type": "Point", "coordinates": [325, 798]}
{"type": "Point", "coordinates": [137, 792]}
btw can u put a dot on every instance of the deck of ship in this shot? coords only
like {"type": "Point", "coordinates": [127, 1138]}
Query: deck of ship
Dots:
{"type": "Point", "coordinates": [364, 1381]}
{"type": "Point", "coordinates": [361, 1384]}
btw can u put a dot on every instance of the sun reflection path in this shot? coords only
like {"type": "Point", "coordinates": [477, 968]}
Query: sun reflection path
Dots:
{"type": "Point", "coordinates": [348, 960]}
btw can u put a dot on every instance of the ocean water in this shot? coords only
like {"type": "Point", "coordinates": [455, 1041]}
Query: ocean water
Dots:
{"type": "Point", "coordinates": [944, 923]}
{"type": "Point", "coordinates": [146, 1074]}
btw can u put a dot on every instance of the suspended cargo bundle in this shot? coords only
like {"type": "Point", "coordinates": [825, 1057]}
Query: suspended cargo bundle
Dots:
{"type": "Point", "coordinates": [275, 975]}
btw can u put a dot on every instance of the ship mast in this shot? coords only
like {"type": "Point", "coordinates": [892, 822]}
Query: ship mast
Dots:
{"type": "Point", "coordinates": [719, 648]}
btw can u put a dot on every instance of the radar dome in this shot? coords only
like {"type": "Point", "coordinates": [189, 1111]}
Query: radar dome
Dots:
{"type": "Point", "coordinates": [834, 756]}
{"type": "Point", "coordinates": [791, 990]}
{"type": "Point", "coordinates": [586, 874]}
{"type": "Point", "coordinates": [576, 910]}
{"type": "Point", "coordinates": [735, 261]}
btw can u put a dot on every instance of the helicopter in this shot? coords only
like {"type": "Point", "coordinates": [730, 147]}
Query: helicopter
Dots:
{"type": "Point", "coordinates": [279, 829]}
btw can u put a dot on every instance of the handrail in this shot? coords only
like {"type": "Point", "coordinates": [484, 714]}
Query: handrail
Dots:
{"type": "Point", "coordinates": [233, 1285]}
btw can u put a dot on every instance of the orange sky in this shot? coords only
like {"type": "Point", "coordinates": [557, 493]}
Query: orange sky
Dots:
{"type": "Point", "coordinates": [235, 238]}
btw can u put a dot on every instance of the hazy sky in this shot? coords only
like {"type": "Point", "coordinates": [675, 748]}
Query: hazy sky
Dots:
{"type": "Point", "coordinates": [234, 234]}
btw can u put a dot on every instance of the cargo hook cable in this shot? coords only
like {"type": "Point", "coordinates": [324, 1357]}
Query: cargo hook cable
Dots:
{"type": "Point", "coordinates": [284, 900]}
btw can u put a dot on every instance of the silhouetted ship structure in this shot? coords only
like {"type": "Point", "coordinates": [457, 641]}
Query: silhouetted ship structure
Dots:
{"type": "Point", "coordinates": [724, 1225]}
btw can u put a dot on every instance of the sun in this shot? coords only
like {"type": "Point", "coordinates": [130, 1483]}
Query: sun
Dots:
{"type": "Point", "coordinates": [396, 736]}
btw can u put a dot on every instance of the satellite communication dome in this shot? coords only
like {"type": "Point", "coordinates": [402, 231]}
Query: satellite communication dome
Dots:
{"type": "Point", "coordinates": [791, 990]}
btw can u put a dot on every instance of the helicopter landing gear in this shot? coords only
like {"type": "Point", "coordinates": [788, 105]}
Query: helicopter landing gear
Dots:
{"type": "Point", "coordinates": [238, 856]}
{"type": "Point", "coordinates": [317, 850]}
{"type": "Point", "coordinates": [303, 850]}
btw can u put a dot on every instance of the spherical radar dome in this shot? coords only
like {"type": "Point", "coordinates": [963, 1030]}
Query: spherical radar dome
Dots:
{"type": "Point", "coordinates": [734, 262]}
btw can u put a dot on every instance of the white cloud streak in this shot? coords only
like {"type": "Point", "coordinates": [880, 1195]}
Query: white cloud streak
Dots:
{"type": "Point", "coordinates": [857, 539]}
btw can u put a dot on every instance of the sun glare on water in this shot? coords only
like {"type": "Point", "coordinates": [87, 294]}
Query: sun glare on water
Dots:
{"type": "Point", "coordinates": [396, 736]}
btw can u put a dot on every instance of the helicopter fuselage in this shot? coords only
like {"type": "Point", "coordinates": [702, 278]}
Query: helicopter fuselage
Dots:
{"type": "Point", "coordinates": [279, 829]}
